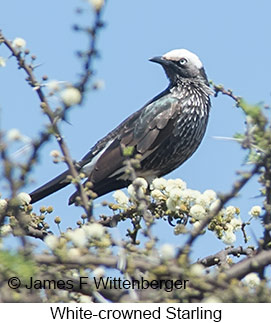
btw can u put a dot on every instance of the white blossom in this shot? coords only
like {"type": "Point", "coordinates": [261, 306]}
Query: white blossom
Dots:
{"type": "Point", "coordinates": [75, 274]}
{"type": "Point", "coordinates": [203, 200]}
{"type": "Point", "coordinates": [70, 96]}
{"type": "Point", "coordinates": [2, 61]}
{"type": "Point", "coordinates": [55, 153]}
{"type": "Point", "coordinates": [230, 210]}
{"type": "Point", "coordinates": [78, 237]}
{"type": "Point", "coordinates": [51, 241]}
{"type": "Point", "coordinates": [180, 229]}
{"type": "Point", "coordinates": [94, 230]}
{"type": "Point", "coordinates": [3, 205]}
{"type": "Point", "coordinates": [175, 194]}
{"type": "Point", "coordinates": [252, 280]}
{"type": "Point", "coordinates": [138, 188]}
{"type": "Point", "coordinates": [131, 191]}
{"type": "Point", "coordinates": [236, 224]}
{"type": "Point", "coordinates": [140, 181]}
{"type": "Point", "coordinates": [97, 4]}
{"type": "Point", "coordinates": [54, 85]}
{"type": "Point", "coordinates": [255, 211]}
{"type": "Point", "coordinates": [167, 251]}
{"type": "Point", "coordinates": [197, 212]}
{"type": "Point", "coordinates": [159, 183]}
{"type": "Point", "coordinates": [210, 194]}
{"type": "Point", "coordinates": [19, 44]}
{"type": "Point", "coordinates": [73, 253]}
{"type": "Point", "coordinates": [172, 205]}
{"type": "Point", "coordinates": [228, 237]}
{"type": "Point", "coordinates": [98, 272]}
{"type": "Point", "coordinates": [157, 194]}
{"type": "Point", "coordinates": [189, 195]}
{"type": "Point", "coordinates": [175, 183]}
{"type": "Point", "coordinates": [14, 135]}
{"type": "Point", "coordinates": [197, 269]}
{"type": "Point", "coordinates": [5, 230]}
{"type": "Point", "coordinates": [23, 198]}
{"type": "Point", "coordinates": [121, 198]}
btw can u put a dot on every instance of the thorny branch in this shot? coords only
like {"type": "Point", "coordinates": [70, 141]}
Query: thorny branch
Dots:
{"type": "Point", "coordinates": [91, 52]}
{"type": "Point", "coordinates": [53, 119]}
{"type": "Point", "coordinates": [261, 122]}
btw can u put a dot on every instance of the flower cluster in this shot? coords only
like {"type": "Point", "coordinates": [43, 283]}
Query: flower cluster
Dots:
{"type": "Point", "coordinates": [178, 201]}
{"type": "Point", "coordinates": [66, 93]}
{"type": "Point", "coordinates": [226, 224]}
{"type": "Point", "coordinates": [87, 234]}
{"type": "Point", "coordinates": [75, 241]}
{"type": "Point", "coordinates": [122, 199]}
{"type": "Point", "coordinates": [136, 191]}
{"type": "Point", "coordinates": [197, 205]}
{"type": "Point", "coordinates": [181, 199]}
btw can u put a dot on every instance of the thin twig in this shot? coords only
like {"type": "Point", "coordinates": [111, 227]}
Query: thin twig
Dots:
{"type": "Point", "coordinates": [49, 112]}
{"type": "Point", "coordinates": [220, 89]}
{"type": "Point", "coordinates": [90, 53]}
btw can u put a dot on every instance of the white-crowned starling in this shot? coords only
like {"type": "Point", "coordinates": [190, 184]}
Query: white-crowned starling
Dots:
{"type": "Point", "coordinates": [165, 132]}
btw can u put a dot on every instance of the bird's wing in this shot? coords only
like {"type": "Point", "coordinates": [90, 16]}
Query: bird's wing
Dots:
{"type": "Point", "coordinates": [153, 122]}
{"type": "Point", "coordinates": [144, 131]}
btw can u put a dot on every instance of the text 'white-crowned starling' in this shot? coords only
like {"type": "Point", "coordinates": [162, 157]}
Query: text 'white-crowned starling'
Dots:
{"type": "Point", "coordinates": [165, 132]}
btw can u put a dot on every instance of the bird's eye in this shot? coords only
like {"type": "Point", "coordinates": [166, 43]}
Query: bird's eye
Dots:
{"type": "Point", "coordinates": [182, 61]}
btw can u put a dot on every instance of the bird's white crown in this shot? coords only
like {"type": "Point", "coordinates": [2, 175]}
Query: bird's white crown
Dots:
{"type": "Point", "coordinates": [177, 54]}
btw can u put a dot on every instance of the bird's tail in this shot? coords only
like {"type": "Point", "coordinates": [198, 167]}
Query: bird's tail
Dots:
{"type": "Point", "coordinates": [49, 188]}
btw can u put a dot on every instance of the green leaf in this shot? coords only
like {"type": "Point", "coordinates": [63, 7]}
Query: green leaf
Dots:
{"type": "Point", "coordinates": [16, 264]}
{"type": "Point", "coordinates": [252, 110]}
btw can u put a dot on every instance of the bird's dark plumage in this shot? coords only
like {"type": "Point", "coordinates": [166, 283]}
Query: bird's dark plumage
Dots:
{"type": "Point", "coordinates": [166, 131]}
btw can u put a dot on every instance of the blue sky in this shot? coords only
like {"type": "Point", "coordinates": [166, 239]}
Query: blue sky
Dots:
{"type": "Point", "coordinates": [231, 38]}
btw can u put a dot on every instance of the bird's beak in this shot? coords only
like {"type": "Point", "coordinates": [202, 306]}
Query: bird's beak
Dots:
{"type": "Point", "coordinates": [158, 59]}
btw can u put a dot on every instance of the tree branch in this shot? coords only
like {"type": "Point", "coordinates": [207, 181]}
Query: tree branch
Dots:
{"type": "Point", "coordinates": [53, 120]}
{"type": "Point", "coordinates": [251, 264]}
{"type": "Point", "coordinates": [220, 257]}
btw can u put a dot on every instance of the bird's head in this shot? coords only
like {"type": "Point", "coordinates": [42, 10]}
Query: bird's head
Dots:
{"type": "Point", "coordinates": [181, 63]}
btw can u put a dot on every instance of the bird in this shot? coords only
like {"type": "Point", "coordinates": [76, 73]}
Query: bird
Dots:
{"type": "Point", "coordinates": [165, 132]}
